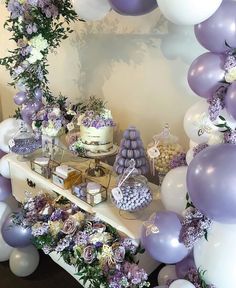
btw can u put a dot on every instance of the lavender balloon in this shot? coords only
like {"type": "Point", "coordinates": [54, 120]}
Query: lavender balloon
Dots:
{"type": "Point", "coordinates": [160, 237]}
{"type": "Point", "coordinates": [205, 73]}
{"type": "Point", "coordinates": [133, 7]}
{"type": "Point", "coordinates": [5, 188]}
{"type": "Point", "coordinates": [38, 94]}
{"type": "Point", "coordinates": [218, 29]}
{"type": "Point", "coordinates": [183, 267]}
{"type": "Point", "coordinates": [15, 235]}
{"type": "Point", "coordinates": [20, 98]}
{"type": "Point", "coordinates": [230, 100]}
{"type": "Point", "coordinates": [211, 182]}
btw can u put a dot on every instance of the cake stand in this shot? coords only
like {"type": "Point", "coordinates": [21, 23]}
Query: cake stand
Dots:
{"type": "Point", "coordinates": [98, 170]}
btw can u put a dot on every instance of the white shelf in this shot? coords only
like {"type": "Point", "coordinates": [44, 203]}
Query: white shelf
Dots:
{"type": "Point", "coordinates": [127, 223]}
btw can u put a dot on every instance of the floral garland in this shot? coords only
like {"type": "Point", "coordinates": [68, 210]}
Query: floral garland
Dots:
{"type": "Point", "coordinates": [101, 256]}
{"type": "Point", "coordinates": [38, 27]}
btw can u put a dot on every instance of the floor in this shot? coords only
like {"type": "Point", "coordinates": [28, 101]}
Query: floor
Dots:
{"type": "Point", "coordinates": [48, 275]}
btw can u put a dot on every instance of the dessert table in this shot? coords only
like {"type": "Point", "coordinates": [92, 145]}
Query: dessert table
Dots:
{"type": "Point", "coordinates": [25, 180]}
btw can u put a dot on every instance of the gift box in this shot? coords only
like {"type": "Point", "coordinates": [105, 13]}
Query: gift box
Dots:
{"type": "Point", "coordinates": [90, 192]}
{"type": "Point", "coordinates": [44, 166]}
{"type": "Point", "coordinates": [65, 177]}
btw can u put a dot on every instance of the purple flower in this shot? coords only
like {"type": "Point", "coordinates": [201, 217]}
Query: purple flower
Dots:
{"type": "Point", "coordinates": [230, 137]}
{"type": "Point", "coordinates": [15, 8]}
{"type": "Point", "coordinates": [64, 243]}
{"type": "Point", "coordinates": [130, 245]}
{"type": "Point", "coordinates": [230, 62]}
{"type": "Point", "coordinates": [119, 253]}
{"type": "Point", "coordinates": [193, 276]}
{"type": "Point", "coordinates": [59, 214]}
{"type": "Point", "coordinates": [70, 226]}
{"type": "Point", "coordinates": [25, 50]}
{"type": "Point", "coordinates": [217, 102]}
{"type": "Point", "coordinates": [33, 2]}
{"type": "Point", "coordinates": [178, 161]}
{"type": "Point", "coordinates": [197, 149]}
{"type": "Point", "coordinates": [40, 229]}
{"type": "Point", "coordinates": [31, 28]}
{"type": "Point", "coordinates": [194, 227]}
{"type": "Point", "coordinates": [81, 238]}
{"type": "Point", "coordinates": [89, 254]}
{"type": "Point", "coordinates": [47, 249]}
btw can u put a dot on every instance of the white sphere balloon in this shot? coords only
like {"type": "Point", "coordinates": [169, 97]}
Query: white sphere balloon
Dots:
{"type": "Point", "coordinates": [217, 255]}
{"type": "Point", "coordinates": [188, 12]}
{"type": "Point", "coordinates": [197, 124]}
{"type": "Point", "coordinates": [8, 128]}
{"type": "Point", "coordinates": [91, 10]}
{"type": "Point", "coordinates": [5, 210]}
{"type": "Point", "coordinates": [5, 250]}
{"type": "Point", "coordinates": [24, 261]}
{"type": "Point", "coordinates": [181, 283]}
{"type": "Point", "coordinates": [4, 166]}
{"type": "Point", "coordinates": [166, 273]}
{"type": "Point", "coordinates": [189, 156]}
{"type": "Point", "coordinates": [174, 190]}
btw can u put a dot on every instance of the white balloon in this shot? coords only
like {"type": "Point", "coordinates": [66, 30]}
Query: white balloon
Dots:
{"type": "Point", "coordinates": [197, 123]}
{"type": "Point", "coordinates": [4, 166]}
{"type": "Point", "coordinates": [24, 261]}
{"type": "Point", "coordinates": [91, 10]}
{"type": "Point", "coordinates": [189, 156]}
{"type": "Point", "coordinates": [8, 128]}
{"type": "Point", "coordinates": [217, 255]}
{"type": "Point", "coordinates": [188, 12]}
{"type": "Point", "coordinates": [181, 283]}
{"type": "Point", "coordinates": [5, 210]}
{"type": "Point", "coordinates": [5, 250]}
{"type": "Point", "coordinates": [174, 190]}
{"type": "Point", "coordinates": [166, 273]}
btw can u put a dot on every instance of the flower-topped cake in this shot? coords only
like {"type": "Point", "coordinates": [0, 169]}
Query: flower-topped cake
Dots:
{"type": "Point", "coordinates": [96, 128]}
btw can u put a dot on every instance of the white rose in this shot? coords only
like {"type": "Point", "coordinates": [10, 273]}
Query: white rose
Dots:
{"type": "Point", "coordinates": [39, 43]}
{"type": "Point", "coordinates": [106, 114]}
{"type": "Point", "coordinates": [215, 138]}
{"type": "Point", "coordinates": [231, 75]}
{"type": "Point", "coordinates": [35, 55]}
{"type": "Point", "coordinates": [56, 111]}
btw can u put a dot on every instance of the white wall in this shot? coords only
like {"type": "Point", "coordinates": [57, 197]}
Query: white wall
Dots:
{"type": "Point", "coordinates": [138, 64]}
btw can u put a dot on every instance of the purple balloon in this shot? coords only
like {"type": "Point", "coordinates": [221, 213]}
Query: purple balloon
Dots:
{"type": "Point", "coordinates": [230, 100]}
{"type": "Point", "coordinates": [15, 235]}
{"type": "Point", "coordinates": [205, 73]}
{"type": "Point", "coordinates": [2, 153]}
{"type": "Point", "coordinates": [20, 98]}
{"type": "Point", "coordinates": [183, 267]}
{"type": "Point", "coordinates": [133, 7]}
{"type": "Point", "coordinates": [211, 182]}
{"type": "Point", "coordinates": [5, 188]}
{"type": "Point", "coordinates": [26, 114]}
{"type": "Point", "coordinates": [160, 237]}
{"type": "Point", "coordinates": [217, 29]}
{"type": "Point", "coordinates": [38, 94]}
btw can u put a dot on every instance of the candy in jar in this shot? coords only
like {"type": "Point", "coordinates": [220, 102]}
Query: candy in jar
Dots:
{"type": "Point", "coordinates": [132, 192]}
{"type": "Point", "coordinates": [163, 150]}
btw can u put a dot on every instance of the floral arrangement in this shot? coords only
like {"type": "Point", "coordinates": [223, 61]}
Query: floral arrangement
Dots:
{"type": "Point", "coordinates": [95, 114]}
{"type": "Point", "coordinates": [38, 27]}
{"type": "Point", "coordinates": [101, 255]}
{"type": "Point", "coordinates": [52, 120]}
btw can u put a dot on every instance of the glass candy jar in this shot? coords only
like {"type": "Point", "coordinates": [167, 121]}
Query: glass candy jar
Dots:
{"type": "Point", "coordinates": [132, 192]}
{"type": "Point", "coordinates": [24, 142]}
{"type": "Point", "coordinates": [162, 151]}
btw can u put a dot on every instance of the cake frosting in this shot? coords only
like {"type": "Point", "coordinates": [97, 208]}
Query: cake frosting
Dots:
{"type": "Point", "coordinates": [96, 139]}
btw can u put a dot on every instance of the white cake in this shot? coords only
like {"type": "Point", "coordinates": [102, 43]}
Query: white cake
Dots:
{"type": "Point", "coordinates": [96, 139]}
